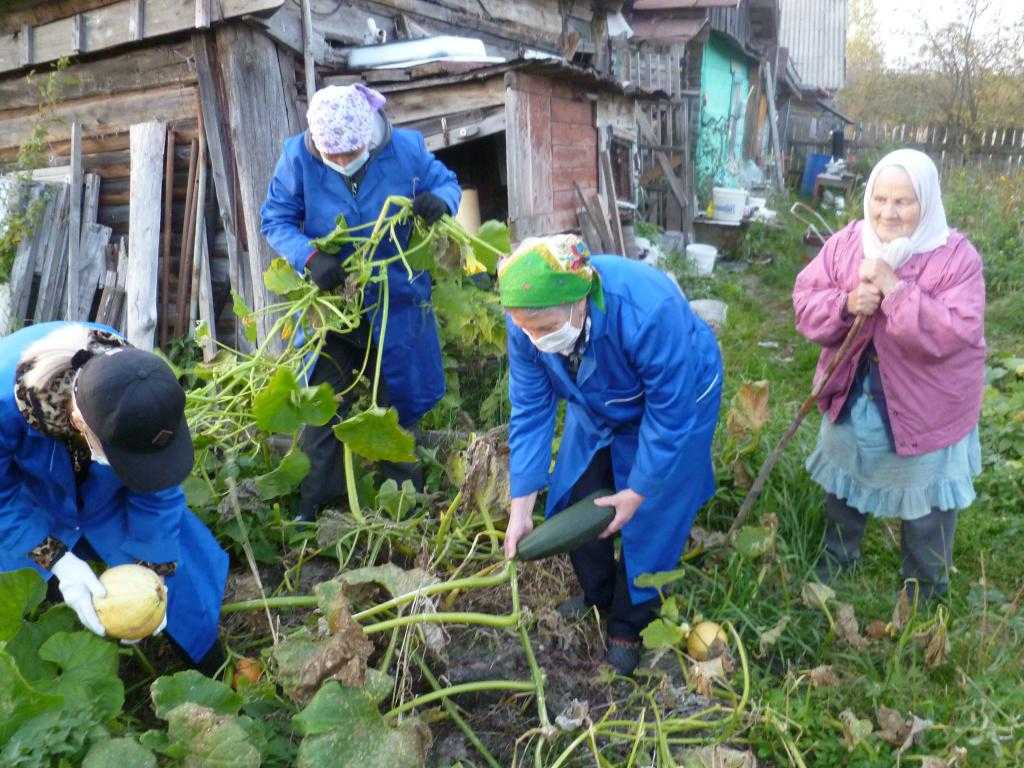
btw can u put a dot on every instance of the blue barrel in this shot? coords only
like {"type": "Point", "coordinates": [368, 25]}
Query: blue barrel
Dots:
{"type": "Point", "coordinates": [815, 165]}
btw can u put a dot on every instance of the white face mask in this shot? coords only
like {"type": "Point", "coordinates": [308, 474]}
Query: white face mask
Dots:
{"type": "Point", "coordinates": [561, 341]}
{"type": "Point", "coordinates": [353, 167]}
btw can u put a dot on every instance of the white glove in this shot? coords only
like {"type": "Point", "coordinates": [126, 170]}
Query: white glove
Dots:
{"type": "Point", "coordinates": [79, 585]}
{"type": "Point", "coordinates": [156, 632]}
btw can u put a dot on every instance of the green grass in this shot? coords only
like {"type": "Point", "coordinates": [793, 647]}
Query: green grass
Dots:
{"type": "Point", "coordinates": [975, 697]}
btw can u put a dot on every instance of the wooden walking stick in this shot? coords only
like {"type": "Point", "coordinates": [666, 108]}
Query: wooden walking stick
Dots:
{"type": "Point", "coordinates": [805, 408]}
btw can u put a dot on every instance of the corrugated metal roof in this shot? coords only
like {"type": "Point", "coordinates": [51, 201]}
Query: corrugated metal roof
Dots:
{"type": "Point", "coordinates": [814, 31]}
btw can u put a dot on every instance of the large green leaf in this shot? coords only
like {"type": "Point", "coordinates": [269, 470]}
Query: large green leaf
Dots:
{"type": "Point", "coordinates": [285, 477]}
{"type": "Point", "coordinates": [659, 579]}
{"type": "Point", "coordinates": [273, 407]}
{"type": "Point", "coordinates": [209, 740]}
{"type": "Point", "coordinates": [57, 737]}
{"type": "Point", "coordinates": [282, 406]}
{"type": "Point", "coordinates": [375, 435]}
{"type": "Point", "coordinates": [341, 726]}
{"type": "Point", "coordinates": [119, 753]}
{"type": "Point", "coordinates": [20, 592]}
{"type": "Point", "coordinates": [333, 242]}
{"type": "Point", "coordinates": [753, 541]}
{"type": "Point", "coordinates": [171, 691]}
{"type": "Point", "coordinates": [394, 500]}
{"type": "Point", "coordinates": [496, 235]}
{"type": "Point", "coordinates": [281, 279]}
{"type": "Point", "coordinates": [19, 701]}
{"type": "Point", "coordinates": [420, 251]}
{"type": "Point", "coordinates": [24, 646]}
{"type": "Point", "coordinates": [88, 671]}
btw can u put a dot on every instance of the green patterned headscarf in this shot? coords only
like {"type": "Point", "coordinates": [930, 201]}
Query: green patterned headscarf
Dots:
{"type": "Point", "coordinates": [548, 272]}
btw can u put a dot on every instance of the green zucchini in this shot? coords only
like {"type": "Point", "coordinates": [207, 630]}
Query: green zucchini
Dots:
{"type": "Point", "coordinates": [573, 527]}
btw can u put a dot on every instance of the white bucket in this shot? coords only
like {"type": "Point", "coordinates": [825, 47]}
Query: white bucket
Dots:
{"type": "Point", "coordinates": [702, 257]}
{"type": "Point", "coordinates": [730, 204]}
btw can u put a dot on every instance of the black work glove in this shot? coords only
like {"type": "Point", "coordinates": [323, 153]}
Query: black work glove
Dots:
{"type": "Point", "coordinates": [429, 207]}
{"type": "Point", "coordinates": [325, 271]}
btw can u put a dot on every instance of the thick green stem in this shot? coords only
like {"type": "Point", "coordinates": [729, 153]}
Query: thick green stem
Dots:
{"type": "Point", "coordinates": [455, 690]}
{"type": "Point", "coordinates": [293, 601]}
{"type": "Point", "coordinates": [350, 486]}
{"type": "Point", "coordinates": [482, 619]}
{"type": "Point", "coordinates": [470, 582]}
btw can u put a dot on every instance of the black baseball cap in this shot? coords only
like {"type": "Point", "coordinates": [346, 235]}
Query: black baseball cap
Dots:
{"type": "Point", "coordinates": [135, 407]}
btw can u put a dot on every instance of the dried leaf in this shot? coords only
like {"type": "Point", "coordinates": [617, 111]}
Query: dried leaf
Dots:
{"type": "Point", "coordinates": [816, 595]}
{"type": "Point", "coordinates": [771, 636]}
{"type": "Point", "coordinates": [935, 640]}
{"type": "Point", "coordinates": [901, 612]}
{"type": "Point", "coordinates": [846, 623]}
{"type": "Point", "coordinates": [748, 412]}
{"type": "Point", "coordinates": [707, 539]}
{"type": "Point", "coordinates": [304, 661]}
{"type": "Point", "coordinates": [574, 716]}
{"type": "Point", "coordinates": [718, 757]}
{"type": "Point", "coordinates": [877, 630]}
{"type": "Point", "coordinates": [823, 677]}
{"type": "Point", "coordinates": [704, 674]}
{"type": "Point", "coordinates": [855, 730]}
{"type": "Point", "coordinates": [897, 731]}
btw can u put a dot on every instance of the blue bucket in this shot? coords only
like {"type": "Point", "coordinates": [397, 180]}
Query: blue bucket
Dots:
{"type": "Point", "coordinates": [815, 165]}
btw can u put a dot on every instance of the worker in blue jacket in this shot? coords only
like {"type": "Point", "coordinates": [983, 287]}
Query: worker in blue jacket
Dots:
{"type": "Point", "coordinates": [348, 163]}
{"type": "Point", "coordinates": [93, 446]}
{"type": "Point", "coordinates": [641, 375]}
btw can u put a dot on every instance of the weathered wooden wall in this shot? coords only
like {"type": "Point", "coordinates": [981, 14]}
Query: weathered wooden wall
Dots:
{"type": "Point", "coordinates": [551, 143]}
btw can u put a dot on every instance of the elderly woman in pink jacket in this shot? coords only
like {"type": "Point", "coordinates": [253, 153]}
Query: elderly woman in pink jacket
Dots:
{"type": "Point", "coordinates": [900, 433]}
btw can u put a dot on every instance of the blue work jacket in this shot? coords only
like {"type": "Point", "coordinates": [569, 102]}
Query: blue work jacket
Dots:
{"type": "Point", "coordinates": [649, 386]}
{"type": "Point", "coordinates": [304, 201]}
{"type": "Point", "coordinates": [40, 497]}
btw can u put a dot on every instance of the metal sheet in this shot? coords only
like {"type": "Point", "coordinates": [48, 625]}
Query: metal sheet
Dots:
{"type": "Point", "coordinates": [814, 31]}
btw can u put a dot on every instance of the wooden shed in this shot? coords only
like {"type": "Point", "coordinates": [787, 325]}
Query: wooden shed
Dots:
{"type": "Point", "coordinates": [149, 132]}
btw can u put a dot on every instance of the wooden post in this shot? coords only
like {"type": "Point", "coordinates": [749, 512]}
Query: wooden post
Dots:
{"type": "Point", "coordinates": [618, 241]}
{"type": "Point", "coordinates": [187, 241]}
{"type": "Point", "coordinates": [202, 14]}
{"type": "Point", "coordinates": [26, 44]}
{"type": "Point", "coordinates": [95, 238]}
{"type": "Point", "coordinates": [77, 34]}
{"type": "Point", "coordinates": [309, 60]}
{"type": "Point", "coordinates": [146, 142]}
{"type": "Point", "coordinates": [165, 264]}
{"type": "Point", "coordinates": [199, 238]}
{"type": "Point", "coordinates": [773, 127]}
{"type": "Point", "coordinates": [135, 20]}
{"type": "Point", "coordinates": [221, 163]}
{"type": "Point", "coordinates": [71, 311]}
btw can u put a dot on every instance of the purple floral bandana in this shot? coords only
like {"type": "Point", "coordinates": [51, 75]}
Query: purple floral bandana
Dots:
{"type": "Point", "coordinates": [341, 117]}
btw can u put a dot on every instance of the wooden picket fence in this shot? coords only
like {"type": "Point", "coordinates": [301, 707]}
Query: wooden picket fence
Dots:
{"type": "Point", "coordinates": [999, 149]}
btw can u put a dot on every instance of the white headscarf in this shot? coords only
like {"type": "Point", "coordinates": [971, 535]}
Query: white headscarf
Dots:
{"type": "Point", "coordinates": [932, 230]}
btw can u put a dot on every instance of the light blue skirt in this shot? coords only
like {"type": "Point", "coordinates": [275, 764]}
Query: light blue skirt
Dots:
{"type": "Point", "coordinates": [855, 461]}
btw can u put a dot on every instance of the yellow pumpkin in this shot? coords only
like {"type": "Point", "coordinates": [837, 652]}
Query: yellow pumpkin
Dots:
{"type": "Point", "coordinates": [135, 604]}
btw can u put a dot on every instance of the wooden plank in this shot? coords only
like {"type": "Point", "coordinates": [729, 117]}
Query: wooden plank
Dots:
{"type": "Point", "coordinates": [165, 247]}
{"type": "Point", "coordinates": [222, 167]}
{"type": "Point", "coordinates": [186, 244]}
{"type": "Point", "coordinates": [77, 34]}
{"type": "Point", "coordinates": [105, 27]}
{"type": "Point", "coordinates": [423, 104]}
{"type": "Point", "coordinates": [90, 200]}
{"type": "Point", "coordinates": [95, 239]}
{"type": "Point", "coordinates": [609, 187]}
{"type": "Point", "coordinates": [119, 307]}
{"type": "Point", "coordinates": [517, 161]}
{"type": "Point", "coordinates": [540, 153]}
{"type": "Point", "coordinates": [17, 195]}
{"type": "Point", "coordinates": [147, 159]}
{"type": "Point", "coordinates": [662, 158]}
{"type": "Point", "coordinates": [254, 89]}
{"type": "Point", "coordinates": [53, 264]}
{"type": "Point", "coordinates": [597, 220]}
{"type": "Point", "coordinates": [135, 70]}
{"type": "Point", "coordinates": [296, 112]}
{"type": "Point", "coordinates": [309, 62]}
{"type": "Point", "coordinates": [75, 224]}
{"type": "Point", "coordinates": [101, 115]}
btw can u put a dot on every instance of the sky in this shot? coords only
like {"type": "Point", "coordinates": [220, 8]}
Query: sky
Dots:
{"type": "Point", "coordinates": [900, 20]}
